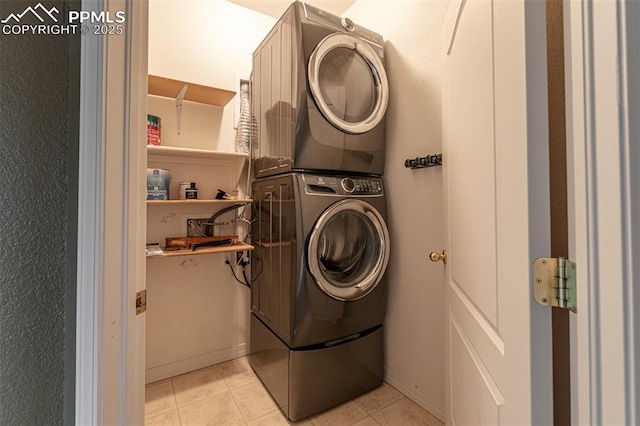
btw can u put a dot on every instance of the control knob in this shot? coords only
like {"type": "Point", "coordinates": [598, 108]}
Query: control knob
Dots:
{"type": "Point", "coordinates": [348, 24]}
{"type": "Point", "coordinates": [348, 185]}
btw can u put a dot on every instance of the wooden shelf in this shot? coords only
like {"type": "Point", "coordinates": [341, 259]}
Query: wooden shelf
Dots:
{"type": "Point", "coordinates": [170, 88]}
{"type": "Point", "coordinates": [204, 250]}
{"type": "Point", "coordinates": [175, 151]}
{"type": "Point", "coordinates": [269, 245]}
{"type": "Point", "coordinates": [195, 202]}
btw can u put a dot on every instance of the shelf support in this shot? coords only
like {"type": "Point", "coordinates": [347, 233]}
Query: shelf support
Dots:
{"type": "Point", "coordinates": [179, 99]}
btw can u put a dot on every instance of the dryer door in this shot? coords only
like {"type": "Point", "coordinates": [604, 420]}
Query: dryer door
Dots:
{"type": "Point", "coordinates": [348, 250]}
{"type": "Point", "coordinates": [348, 83]}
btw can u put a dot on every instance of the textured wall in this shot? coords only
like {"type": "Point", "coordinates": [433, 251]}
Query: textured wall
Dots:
{"type": "Point", "coordinates": [37, 225]}
{"type": "Point", "coordinates": [414, 336]}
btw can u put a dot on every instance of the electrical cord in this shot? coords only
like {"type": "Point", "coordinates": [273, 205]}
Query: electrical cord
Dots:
{"type": "Point", "coordinates": [257, 260]}
{"type": "Point", "coordinates": [244, 275]}
{"type": "Point", "coordinates": [244, 283]}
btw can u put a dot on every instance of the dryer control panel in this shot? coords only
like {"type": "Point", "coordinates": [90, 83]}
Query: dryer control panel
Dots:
{"type": "Point", "coordinates": [341, 24]}
{"type": "Point", "coordinates": [343, 185]}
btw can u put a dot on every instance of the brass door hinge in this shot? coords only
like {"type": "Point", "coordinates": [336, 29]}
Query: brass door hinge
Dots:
{"type": "Point", "coordinates": [554, 282]}
{"type": "Point", "coordinates": [141, 301]}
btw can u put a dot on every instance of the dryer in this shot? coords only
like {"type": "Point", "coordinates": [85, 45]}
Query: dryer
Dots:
{"type": "Point", "coordinates": [318, 296]}
{"type": "Point", "coordinates": [319, 96]}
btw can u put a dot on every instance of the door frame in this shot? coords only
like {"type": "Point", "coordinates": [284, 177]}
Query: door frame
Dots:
{"type": "Point", "coordinates": [111, 204]}
{"type": "Point", "coordinates": [111, 219]}
{"type": "Point", "coordinates": [602, 66]}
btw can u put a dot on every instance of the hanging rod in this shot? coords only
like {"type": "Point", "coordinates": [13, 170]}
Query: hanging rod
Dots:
{"type": "Point", "coordinates": [422, 162]}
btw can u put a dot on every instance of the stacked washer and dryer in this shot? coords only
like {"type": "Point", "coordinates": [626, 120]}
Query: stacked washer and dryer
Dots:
{"type": "Point", "coordinates": [318, 296]}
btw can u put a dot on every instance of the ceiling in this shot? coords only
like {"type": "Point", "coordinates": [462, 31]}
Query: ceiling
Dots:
{"type": "Point", "coordinates": [276, 8]}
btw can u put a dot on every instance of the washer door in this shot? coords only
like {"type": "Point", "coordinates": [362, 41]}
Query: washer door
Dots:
{"type": "Point", "coordinates": [348, 83]}
{"type": "Point", "coordinates": [348, 250]}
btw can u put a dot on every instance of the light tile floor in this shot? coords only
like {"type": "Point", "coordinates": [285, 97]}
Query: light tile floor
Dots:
{"type": "Point", "coordinates": [231, 394]}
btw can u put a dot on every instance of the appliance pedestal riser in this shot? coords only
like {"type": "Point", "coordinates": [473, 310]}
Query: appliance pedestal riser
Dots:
{"type": "Point", "coordinates": [307, 381]}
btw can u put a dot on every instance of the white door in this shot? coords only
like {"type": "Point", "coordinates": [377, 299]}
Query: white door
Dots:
{"type": "Point", "coordinates": [497, 211]}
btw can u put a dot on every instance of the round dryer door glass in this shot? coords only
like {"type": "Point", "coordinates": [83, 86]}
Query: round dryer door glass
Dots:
{"type": "Point", "coordinates": [344, 75]}
{"type": "Point", "coordinates": [348, 250]}
{"type": "Point", "coordinates": [348, 83]}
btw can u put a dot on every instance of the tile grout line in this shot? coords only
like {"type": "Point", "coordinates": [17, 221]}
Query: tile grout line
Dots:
{"type": "Point", "coordinates": [386, 406]}
{"type": "Point", "coordinates": [235, 401]}
{"type": "Point", "coordinates": [383, 407]}
{"type": "Point", "coordinates": [175, 400]}
{"type": "Point", "coordinates": [235, 398]}
{"type": "Point", "coordinates": [163, 412]}
{"type": "Point", "coordinates": [189, 404]}
{"type": "Point", "coordinates": [224, 378]}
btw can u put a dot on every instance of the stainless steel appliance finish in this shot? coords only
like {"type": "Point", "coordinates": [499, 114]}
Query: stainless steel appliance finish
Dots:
{"type": "Point", "coordinates": [318, 296]}
{"type": "Point", "coordinates": [319, 96]}
{"type": "Point", "coordinates": [320, 255]}
{"type": "Point", "coordinates": [306, 382]}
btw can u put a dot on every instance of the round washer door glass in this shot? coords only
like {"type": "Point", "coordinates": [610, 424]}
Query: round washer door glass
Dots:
{"type": "Point", "coordinates": [348, 83]}
{"type": "Point", "coordinates": [348, 250]}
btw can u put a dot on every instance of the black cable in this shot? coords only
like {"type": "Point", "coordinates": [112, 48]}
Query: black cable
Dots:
{"type": "Point", "coordinates": [257, 260]}
{"type": "Point", "coordinates": [235, 276]}
{"type": "Point", "coordinates": [209, 228]}
{"type": "Point", "coordinates": [244, 275]}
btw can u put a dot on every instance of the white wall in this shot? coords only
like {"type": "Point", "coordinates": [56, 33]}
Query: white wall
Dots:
{"type": "Point", "coordinates": [204, 42]}
{"type": "Point", "coordinates": [415, 316]}
{"type": "Point", "coordinates": [197, 314]}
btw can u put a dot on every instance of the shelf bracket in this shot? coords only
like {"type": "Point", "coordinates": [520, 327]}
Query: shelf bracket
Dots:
{"type": "Point", "coordinates": [179, 99]}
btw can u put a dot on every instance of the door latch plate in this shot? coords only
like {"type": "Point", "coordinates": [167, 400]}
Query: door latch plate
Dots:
{"type": "Point", "coordinates": [141, 301]}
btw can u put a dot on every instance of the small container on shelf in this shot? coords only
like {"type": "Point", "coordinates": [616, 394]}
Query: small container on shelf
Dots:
{"type": "Point", "coordinates": [154, 249]}
{"type": "Point", "coordinates": [188, 191]}
{"type": "Point", "coordinates": [154, 130]}
{"type": "Point", "coordinates": [158, 184]}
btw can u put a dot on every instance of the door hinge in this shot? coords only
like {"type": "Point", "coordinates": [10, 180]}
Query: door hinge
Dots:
{"type": "Point", "coordinates": [141, 301]}
{"type": "Point", "coordinates": [554, 282]}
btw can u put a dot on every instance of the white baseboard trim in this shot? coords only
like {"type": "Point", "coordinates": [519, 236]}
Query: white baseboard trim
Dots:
{"type": "Point", "coordinates": [414, 393]}
{"type": "Point", "coordinates": [190, 364]}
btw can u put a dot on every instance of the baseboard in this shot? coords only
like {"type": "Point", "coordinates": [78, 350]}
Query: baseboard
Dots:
{"type": "Point", "coordinates": [412, 392]}
{"type": "Point", "coordinates": [190, 364]}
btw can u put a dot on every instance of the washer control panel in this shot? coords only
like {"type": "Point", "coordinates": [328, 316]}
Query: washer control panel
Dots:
{"type": "Point", "coordinates": [362, 186]}
{"type": "Point", "coordinates": [343, 186]}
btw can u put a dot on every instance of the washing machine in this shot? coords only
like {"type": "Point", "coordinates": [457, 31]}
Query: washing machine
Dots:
{"type": "Point", "coordinates": [319, 96]}
{"type": "Point", "coordinates": [318, 296]}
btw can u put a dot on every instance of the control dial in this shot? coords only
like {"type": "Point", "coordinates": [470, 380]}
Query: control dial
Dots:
{"type": "Point", "coordinates": [348, 24]}
{"type": "Point", "coordinates": [348, 185]}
